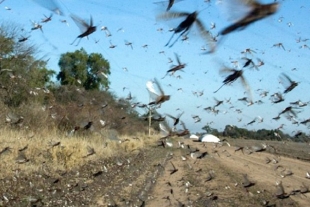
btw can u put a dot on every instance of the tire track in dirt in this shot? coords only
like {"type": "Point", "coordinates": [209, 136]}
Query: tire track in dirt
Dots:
{"type": "Point", "coordinates": [169, 188]}
{"type": "Point", "coordinates": [267, 174]}
{"type": "Point", "coordinates": [225, 189]}
{"type": "Point", "coordinates": [148, 180]}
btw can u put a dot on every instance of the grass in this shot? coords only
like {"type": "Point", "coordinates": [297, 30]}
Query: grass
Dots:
{"type": "Point", "coordinates": [71, 152]}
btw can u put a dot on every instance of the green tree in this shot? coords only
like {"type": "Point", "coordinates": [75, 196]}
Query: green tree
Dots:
{"type": "Point", "coordinates": [78, 68]}
{"type": "Point", "coordinates": [20, 70]}
{"type": "Point", "coordinates": [210, 130]}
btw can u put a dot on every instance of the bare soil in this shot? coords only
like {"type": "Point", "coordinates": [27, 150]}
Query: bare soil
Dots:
{"type": "Point", "coordinates": [147, 177]}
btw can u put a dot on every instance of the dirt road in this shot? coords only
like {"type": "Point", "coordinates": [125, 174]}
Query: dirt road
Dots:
{"type": "Point", "coordinates": [217, 179]}
{"type": "Point", "coordinates": [212, 175]}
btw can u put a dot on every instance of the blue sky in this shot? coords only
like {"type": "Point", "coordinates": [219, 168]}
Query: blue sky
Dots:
{"type": "Point", "coordinates": [135, 21]}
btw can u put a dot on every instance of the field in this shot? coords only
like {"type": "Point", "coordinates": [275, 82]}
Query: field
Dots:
{"type": "Point", "coordinates": [138, 171]}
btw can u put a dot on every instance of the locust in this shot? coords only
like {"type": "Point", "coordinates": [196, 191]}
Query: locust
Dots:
{"type": "Point", "coordinates": [184, 27]}
{"type": "Point", "coordinates": [47, 19]}
{"type": "Point", "coordinates": [23, 39]}
{"type": "Point", "coordinates": [235, 74]}
{"type": "Point", "coordinates": [288, 82]}
{"type": "Point", "coordinates": [175, 119]}
{"type": "Point", "coordinates": [288, 110]}
{"type": "Point", "coordinates": [85, 28]}
{"type": "Point", "coordinates": [160, 97]}
{"type": "Point", "coordinates": [175, 68]}
{"type": "Point", "coordinates": [170, 3]}
{"type": "Point", "coordinates": [258, 11]}
{"type": "Point", "coordinates": [174, 170]}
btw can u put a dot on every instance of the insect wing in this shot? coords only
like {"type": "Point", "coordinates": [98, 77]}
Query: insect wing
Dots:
{"type": "Point", "coordinates": [159, 87]}
{"type": "Point", "coordinates": [172, 15]}
{"type": "Point", "coordinates": [205, 34]}
{"type": "Point", "coordinates": [151, 89]}
{"type": "Point", "coordinates": [51, 5]}
{"type": "Point", "coordinates": [164, 129]}
{"type": "Point", "coordinates": [285, 80]}
{"type": "Point", "coordinates": [235, 10]}
{"type": "Point", "coordinates": [177, 57]}
{"type": "Point", "coordinates": [225, 71]}
{"type": "Point", "coordinates": [82, 25]}
{"type": "Point", "coordinates": [247, 88]}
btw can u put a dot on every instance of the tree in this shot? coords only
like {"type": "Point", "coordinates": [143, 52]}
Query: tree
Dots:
{"type": "Point", "coordinates": [210, 130]}
{"type": "Point", "coordinates": [20, 71]}
{"type": "Point", "coordinates": [79, 68]}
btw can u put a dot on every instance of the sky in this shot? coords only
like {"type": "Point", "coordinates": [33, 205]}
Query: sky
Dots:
{"type": "Point", "coordinates": [136, 21]}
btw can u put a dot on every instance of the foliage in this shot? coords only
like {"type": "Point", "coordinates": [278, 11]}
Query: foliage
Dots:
{"type": "Point", "coordinates": [31, 101]}
{"type": "Point", "coordinates": [211, 130]}
{"type": "Point", "coordinates": [74, 107]}
{"type": "Point", "coordinates": [21, 72]}
{"type": "Point", "coordinates": [80, 69]}
{"type": "Point", "coordinates": [261, 134]}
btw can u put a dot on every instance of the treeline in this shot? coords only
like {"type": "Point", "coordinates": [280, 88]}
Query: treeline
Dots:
{"type": "Point", "coordinates": [261, 134]}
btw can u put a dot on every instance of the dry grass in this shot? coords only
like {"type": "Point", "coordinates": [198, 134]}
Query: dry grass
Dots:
{"type": "Point", "coordinates": [38, 131]}
{"type": "Point", "coordinates": [49, 150]}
